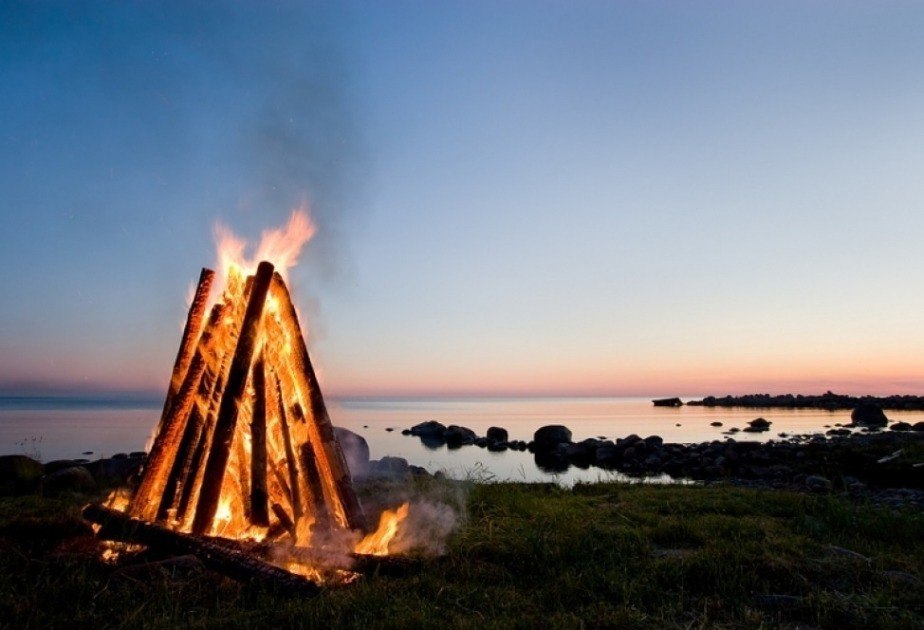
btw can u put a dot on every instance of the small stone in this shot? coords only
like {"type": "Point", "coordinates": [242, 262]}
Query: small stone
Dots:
{"type": "Point", "coordinates": [715, 424]}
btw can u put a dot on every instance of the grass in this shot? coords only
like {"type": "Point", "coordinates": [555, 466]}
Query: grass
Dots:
{"type": "Point", "coordinates": [527, 555]}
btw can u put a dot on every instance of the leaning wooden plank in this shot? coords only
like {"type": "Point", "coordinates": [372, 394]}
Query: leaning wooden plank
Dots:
{"type": "Point", "coordinates": [235, 563]}
{"type": "Point", "coordinates": [191, 333]}
{"type": "Point", "coordinates": [259, 513]}
{"type": "Point", "coordinates": [226, 421]}
{"type": "Point", "coordinates": [329, 456]}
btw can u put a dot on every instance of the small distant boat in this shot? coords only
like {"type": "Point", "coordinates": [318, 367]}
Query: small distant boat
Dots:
{"type": "Point", "coordinates": [668, 402]}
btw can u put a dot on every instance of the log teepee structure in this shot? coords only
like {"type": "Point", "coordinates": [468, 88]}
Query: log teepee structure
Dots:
{"type": "Point", "coordinates": [245, 446]}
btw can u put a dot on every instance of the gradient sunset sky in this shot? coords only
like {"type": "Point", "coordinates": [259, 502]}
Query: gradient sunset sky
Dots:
{"type": "Point", "coordinates": [557, 198]}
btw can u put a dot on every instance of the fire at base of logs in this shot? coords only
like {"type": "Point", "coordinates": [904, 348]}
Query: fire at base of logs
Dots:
{"type": "Point", "coordinates": [245, 450]}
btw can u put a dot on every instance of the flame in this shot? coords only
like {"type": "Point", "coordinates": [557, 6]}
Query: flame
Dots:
{"type": "Point", "coordinates": [280, 246]}
{"type": "Point", "coordinates": [376, 543]}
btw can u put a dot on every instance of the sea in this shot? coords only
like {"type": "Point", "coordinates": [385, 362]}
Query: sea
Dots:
{"type": "Point", "coordinates": [49, 428]}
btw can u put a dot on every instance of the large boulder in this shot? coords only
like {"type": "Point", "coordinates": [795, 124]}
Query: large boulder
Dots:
{"type": "Point", "coordinates": [548, 438]}
{"type": "Point", "coordinates": [497, 434]}
{"type": "Point", "coordinates": [355, 449]}
{"type": "Point", "coordinates": [869, 415]}
{"type": "Point", "coordinates": [19, 475]}
{"type": "Point", "coordinates": [457, 436]}
{"type": "Point", "coordinates": [428, 428]}
{"type": "Point", "coordinates": [73, 479]}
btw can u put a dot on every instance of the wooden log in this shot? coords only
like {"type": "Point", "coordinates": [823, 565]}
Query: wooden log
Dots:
{"type": "Point", "coordinates": [226, 421]}
{"type": "Point", "coordinates": [313, 479]}
{"type": "Point", "coordinates": [235, 563]}
{"type": "Point", "coordinates": [191, 334]}
{"type": "Point", "coordinates": [182, 463]}
{"type": "Point", "coordinates": [284, 519]}
{"type": "Point", "coordinates": [291, 464]}
{"type": "Point", "coordinates": [259, 514]}
{"type": "Point", "coordinates": [332, 465]}
{"type": "Point", "coordinates": [193, 478]}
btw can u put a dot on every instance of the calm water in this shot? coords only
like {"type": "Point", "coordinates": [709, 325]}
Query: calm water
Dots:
{"type": "Point", "coordinates": [60, 428]}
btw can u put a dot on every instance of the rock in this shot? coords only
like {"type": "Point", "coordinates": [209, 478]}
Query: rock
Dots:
{"type": "Point", "coordinates": [607, 456]}
{"type": "Point", "coordinates": [113, 470]}
{"type": "Point", "coordinates": [550, 436]}
{"type": "Point", "coordinates": [817, 483]}
{"type": "Point", "coordinates": [667, 402]}
{"type": "Point", "coordinates": [869, 415]}
{"type": "Point", "coordinates": [59, 464]}
{"type": "Point", "coordinates": [900, 426]}
{"type": "Point", "coordinates": [430, 427]}
{"type": "Point", "coordinates": [628, 441]}
{"type": "Point", "coordinates": [497, 434]}
{"type": "Point", "coordinates": [418, 471]}
{"type": "Point", "coordinates": [405, 432]}
{"type": "Point", "coordinates": [734, 430]}
{"type": "Point", "coordinates": [715, 424]}
{"type": "Point", "coordinates": [19, 475]}
{"type": "Point", "coordinates": [73, 479]}
{"type": "Point", "coordinates": [760, 424]}
{"type": "Point", "coordinates": [389, 467]}
{"type": "Point", "coordinates": [839, 432]}
{"type": "Point", "coordinates": [355, 449]}
{"type": "Point", "coordinates": [457, 436]}
{"type": "Point", "coordinates": [389, 429]}
{"type": "Point", "coordinates": [582, 451]}
{"type": "Point", "coordinates": [497, 447]}
{"type": "Point", "coordinates": [917, 426]}
{"type": "Point", "coordinates": [654, 441]}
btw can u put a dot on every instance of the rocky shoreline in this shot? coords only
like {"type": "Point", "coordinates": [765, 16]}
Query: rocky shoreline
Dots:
{"type": "Point", "coordinates": [863, 458]}
{"type": "Point", "coordinates": [859, 458]}
{"type": "Point", "coordinates": [828, 400]}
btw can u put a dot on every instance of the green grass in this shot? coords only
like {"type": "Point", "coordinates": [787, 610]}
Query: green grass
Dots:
{"type": "Point", "coordinates": [526, 556]}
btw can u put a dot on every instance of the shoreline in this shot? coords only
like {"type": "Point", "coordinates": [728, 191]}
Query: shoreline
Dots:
{"type": "Point", "coordinates": [828, 401]}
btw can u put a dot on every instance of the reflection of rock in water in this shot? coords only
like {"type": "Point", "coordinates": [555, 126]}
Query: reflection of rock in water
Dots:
{"type": "Point", "coordinates": [433, 442]}
{"type": "Point", "coordinates": [552, 462]}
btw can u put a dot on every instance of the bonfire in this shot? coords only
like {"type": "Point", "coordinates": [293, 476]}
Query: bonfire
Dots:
{"type": "Point", "coordinates": [245, 466]}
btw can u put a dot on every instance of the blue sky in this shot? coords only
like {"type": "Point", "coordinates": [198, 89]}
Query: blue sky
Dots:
{"type": "Point", "coordinates": [516, 197]}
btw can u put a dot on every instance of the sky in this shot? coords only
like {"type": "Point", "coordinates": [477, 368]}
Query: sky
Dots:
{"type": "Point", "coordinates": [512, 198]}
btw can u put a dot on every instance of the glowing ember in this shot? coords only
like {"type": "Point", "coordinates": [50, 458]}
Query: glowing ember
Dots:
{"type": "Point", "coordinates": [376, 543]}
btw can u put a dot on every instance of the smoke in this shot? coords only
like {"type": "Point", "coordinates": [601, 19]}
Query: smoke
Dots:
{"type": "Point", "coordinates": [427, 527]}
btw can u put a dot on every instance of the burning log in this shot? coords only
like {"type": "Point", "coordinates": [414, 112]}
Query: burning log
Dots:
{"type": "Point", "coordinates": [191, 333]}
{"type": "Point", "coordinates": [329, 455]}
{"type": "Point", "coordinates": [210, 490]}
{"type": "Point", "coordinates": [258, 493]}
{"type": "Point", "coordinates": [236, 563]}
{"type": "Point", "coordinates": [232, 554]}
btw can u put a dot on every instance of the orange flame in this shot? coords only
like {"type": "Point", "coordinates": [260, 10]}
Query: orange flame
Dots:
{"type": "Point", "coordinates": [376, 543]}
{"type": "Point", "coordinates": [280, 246]}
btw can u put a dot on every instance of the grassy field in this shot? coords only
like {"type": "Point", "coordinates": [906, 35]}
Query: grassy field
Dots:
{"type": "Point", "coordinates": [528, 556]}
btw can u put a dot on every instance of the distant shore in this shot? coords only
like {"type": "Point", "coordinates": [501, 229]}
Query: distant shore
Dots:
{"type": "Point", "coordinates": [828, 400]}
